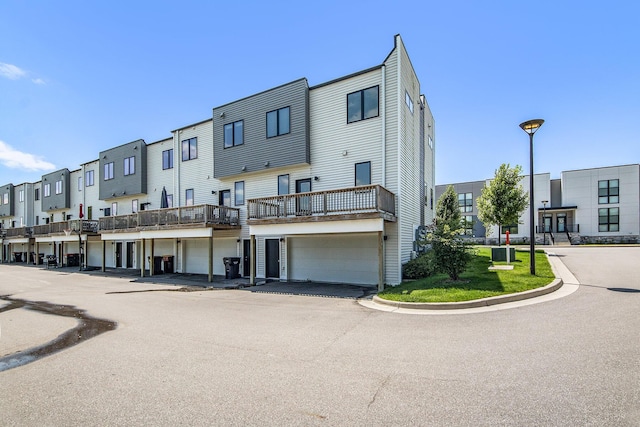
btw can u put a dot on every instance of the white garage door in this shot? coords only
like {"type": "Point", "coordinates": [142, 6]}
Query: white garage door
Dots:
{"type": "Point", "coordinates": [196, 252]}
{"type": "Point", "coordinates": [350, 258]}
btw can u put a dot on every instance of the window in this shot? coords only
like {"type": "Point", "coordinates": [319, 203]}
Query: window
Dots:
{"type": "Point", "coordinates": [21, 196]}
{"type": "Point", "coordinates": [89, 212]}
{"type": "Point", "coordinates": [608, 191]}
{"type": "Point", "coordinates": [278, 122]}
{"type": "Point", "coordinates": [362, 104]}
{"type": "Point", "coordinates": [233, 134]}
{"type": "Point", "coordinates": [609, 219]}
{"type": "Point", "coordinates": [465, 202]}
{"type": "Point", "coordinates": [108, 171]}
{"type": "Point", "coordinates": [283, 184]}
{"type": "Point", "coordinates": [79, 183]}
{"type": "Point", "coordinates": [363, 173]}
{"type": "Point", "coordinates": [134, 206]}
{"type": "Point", "coordinates": [430, 142]}
{"type": "Point", "coordinates": [431, 198]}
{"type": "Point", "coordinates": [408, 101]}
{"type": "Point", "coordinates": [47, 190]}
{"type": "Point", "coordinates": [58, 187]}
{"type": "Point", "coordinates": [188, 197]}
{"type": "Point", "coordinates": [129, 166]}
{"type": "Point", "coordinates": [239, 193]}
{"type": "Point", "coordinates": [36, 194]}
{"type": "Point", "coordinates": [167, 159]}
{"type": "Point", "coordinates": [225, 198]}
{"type": "Point", "coordinates": [88, 178]}
{"type": "Point", "coordinates": [512, 229]}
{"type": "Point", "coordinates": [114, 208]}
{"type": "Point", "coordinates": [467, 224]}
{"type": "Point", "coordinates": [107, 211]}
{"type": "Point", "coordinates": [189, 149]}
{"type": "Point", "coordinates": [170, 200]}
{"type": "Point", "coordinates": [5, 198]}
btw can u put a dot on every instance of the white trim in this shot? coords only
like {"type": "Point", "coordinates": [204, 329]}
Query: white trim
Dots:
{"type": "Point", "coordinates": [324, 227]}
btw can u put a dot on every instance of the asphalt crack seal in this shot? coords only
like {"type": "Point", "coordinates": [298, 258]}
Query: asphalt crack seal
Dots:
{"type": "Point", "coordinates": [87, 328]}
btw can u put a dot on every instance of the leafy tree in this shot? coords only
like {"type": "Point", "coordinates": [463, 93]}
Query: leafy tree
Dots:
{"type": "Point", "coordinates": [503, 200]}
{"type": "Point", "coordinates": [450, 252]}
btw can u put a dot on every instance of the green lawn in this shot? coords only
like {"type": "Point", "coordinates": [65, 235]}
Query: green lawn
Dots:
{"type": "Point", "coordinates": [477, 281]}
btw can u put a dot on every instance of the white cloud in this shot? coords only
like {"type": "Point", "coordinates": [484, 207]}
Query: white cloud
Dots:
{"type": "Point", "coordinates": [38, 81]}
{"type": "Point", "coordinates": [14, 159]}
{"type": "Point", "coordinates": [11, 71]}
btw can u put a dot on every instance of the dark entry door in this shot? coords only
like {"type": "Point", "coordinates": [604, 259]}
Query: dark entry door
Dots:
{"type": "Point", "coordinates": [272, 257]}
{"type": "Point", "coordinates": [246, 257]}
{"type": "Point", "coordinates": [130, 254]}
{"type": "Point", "coordinates": [303, 203]}
{"type": "Point", "coordinates": [118, 254]}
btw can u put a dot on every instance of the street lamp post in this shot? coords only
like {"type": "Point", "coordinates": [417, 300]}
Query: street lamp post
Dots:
{"type": "Point", "coordinates": [544, 224]}
{"type": "Point", "coordinates": [530, 127]}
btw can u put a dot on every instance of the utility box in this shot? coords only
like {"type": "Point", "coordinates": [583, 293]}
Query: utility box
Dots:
{"type": "Point", "coordinates": [500, 254]}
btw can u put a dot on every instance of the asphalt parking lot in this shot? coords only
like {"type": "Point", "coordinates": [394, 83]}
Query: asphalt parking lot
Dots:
{"type": "Point", "coordinates": [251, 357]}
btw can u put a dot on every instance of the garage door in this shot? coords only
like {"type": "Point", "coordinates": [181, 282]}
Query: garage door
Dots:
{"type": "Point", "coordinates": [196, 253]}
{"type": "Point", "coordinates": [346, 258]}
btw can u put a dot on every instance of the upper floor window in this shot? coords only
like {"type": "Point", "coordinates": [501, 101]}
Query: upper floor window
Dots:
{"type": "Point", "coordinates": [465, 202]}
{"type": "Point", "coordinates": [36, 194]}
{"type": "Point", "coordinates": [21, 196]}
{"type": "Point", "coordinates": [283, 184]}
{"type": "Point", "coordinates": [362, 104]}
{"type": "Point", "coordinates": [47, 190]}
{"type": "Point", "coordinates": [107, 211]}
{"type": "Point", "coordinates": [239, 193]}
{"type": "Point", "coordinates": [114, 208]}
{"type": "Point", "coordinates": [430, 142]}
{"type": "Point", "coordinates": [467, 224]}
{"type": "Point", "coordinates": [79, 183]}
{"type": "Point", "coordinates": [5, 198]}
{"type": "Point", "coordinates": [108, 171]}
{"type": "Point", "coordinates": [134, 206]}
{"type": "Point", "coordinates": [167, 159]}
{"type": "Point", "coordinates": [363, 173]}
{"type": "Point", "coordinates": [188, 197]}
{"type": "Point", "coordinates": [58, 187]}
{"type": "Point", "coordinates": [609, 219]}
{"type": "Point", "coordinates": [189, 149]}
{"type": "Point", "coordinates": [129, 166]}
{"type": "Point", "coordinates": [234, 134]}
{"type": "Point", "coordinates": [225, 198]}
{"type": "Point", "coordinates": [278, 122]}
{"type": "Point", "coordinates": [408, 101]}
{"type": "Point", "coordinates": [608, 191]}
{"type": "Point", "coordinates": [88, 178]}
{"type": "Point", "coordinates": [170, 200]}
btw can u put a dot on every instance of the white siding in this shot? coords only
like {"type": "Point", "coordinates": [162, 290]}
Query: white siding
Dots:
{"type": "Point", "coordinates": [157, 178]}
{"type": "Point", "coordinates": [196, 174]}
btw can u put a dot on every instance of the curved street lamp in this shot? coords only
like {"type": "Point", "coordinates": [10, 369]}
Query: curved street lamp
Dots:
{"type": "Point", "coordinates": [530, 127]}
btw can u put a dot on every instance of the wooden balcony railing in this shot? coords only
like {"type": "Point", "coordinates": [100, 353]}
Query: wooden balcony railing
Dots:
{"type": "Point", "coordinates": [18, 232]}
{"type": "Point", "coordinates": [185, 215]}
{"type": "Point", "coordinates": [84, 225]}
{"type": "Point", "coordinates": [355, 200]}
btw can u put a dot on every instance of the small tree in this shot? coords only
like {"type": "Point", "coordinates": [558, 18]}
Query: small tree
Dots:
{"type": "Point", "coordinates": [450, 251]}
{"type": "Point", "coordinates": [503, 200]}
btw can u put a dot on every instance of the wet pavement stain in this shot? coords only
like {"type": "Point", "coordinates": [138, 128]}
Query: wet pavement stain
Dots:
{"type": "Point", "coordinates": [88, 327]}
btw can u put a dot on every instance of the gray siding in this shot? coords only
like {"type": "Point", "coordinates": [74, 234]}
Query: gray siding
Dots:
{"type": "Point", "coordinates": [259, 152]}
{"type": "Point", "coordinates": [122, 185]}
{"type": "Point", "coordinates": [56, 201]}
{"type": "Point", "coordinates": [9, 208]}
{"type": "Point", "coordinates": [556, 193]}
{"type": "Point", "coordinates": [475, 188]}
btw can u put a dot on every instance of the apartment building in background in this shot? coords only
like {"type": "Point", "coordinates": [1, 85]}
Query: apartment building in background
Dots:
{"type": "Point", "coordinates": [326, 182]}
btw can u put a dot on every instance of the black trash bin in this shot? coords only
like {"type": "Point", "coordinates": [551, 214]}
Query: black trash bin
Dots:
{"type": "Point", "coordinates": [167, 264]}
{"type": "Point", "coordinates": [17, 256]}
{"type": "Point", "coordinates": [231, 267]}
{"type": "Point", "coordinates": [73, 260]}
{"type": "Point", "coordinates": [157, 265]}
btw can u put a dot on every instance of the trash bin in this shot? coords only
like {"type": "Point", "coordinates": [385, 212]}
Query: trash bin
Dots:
{"type": "Point", "coordinates": [17, 256]}
{"type": "Point", "coordinates": [167, 264]}
{"type": "Point", "coordinates": [231, 267]}
{"type": "Point", "coordinates": [157, 265]}
{"type": "Point", "coordinates": [73, 260]}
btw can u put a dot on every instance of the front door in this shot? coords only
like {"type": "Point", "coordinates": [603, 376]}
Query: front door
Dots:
{"type": "Point", "coordinates": [130, 254]}
{"type": "Point", "coordinates": [272, 257]}
{"type": "Point", "coordinates": [118, 254]}
{"type": "Point", "coordinates": [561, 224]}
{"type": "Point", "coordinates": [547, 224]}
{"type": "Point", "coordinates": [246, 258]}
{"type": "Point", "coordinates": [303, 203]}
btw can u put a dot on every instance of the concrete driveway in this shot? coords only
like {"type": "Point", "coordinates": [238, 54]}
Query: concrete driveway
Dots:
{"type": "Point", "coordinates": [232, 357]}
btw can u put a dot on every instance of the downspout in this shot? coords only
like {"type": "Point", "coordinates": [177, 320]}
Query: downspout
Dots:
{"type": "Point", "coordinates": [384, 125]}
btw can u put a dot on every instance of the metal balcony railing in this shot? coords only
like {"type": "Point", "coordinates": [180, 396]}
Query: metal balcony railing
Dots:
{"type": "Point", "coordinates": [18, 232]}
{"type": "Point", "coordinates": [186, 215]}
{"type": "Point", "coordinates": [75, 225]}
{"type": "Point", "coordinates": [354, 200]}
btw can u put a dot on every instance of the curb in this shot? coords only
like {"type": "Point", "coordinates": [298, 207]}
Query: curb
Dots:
{"type": "Point", "coordinates": [484, 302]}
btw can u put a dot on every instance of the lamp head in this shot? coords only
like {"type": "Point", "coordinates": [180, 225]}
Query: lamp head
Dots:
{"type": "Point", "coordinates": [531, 126]}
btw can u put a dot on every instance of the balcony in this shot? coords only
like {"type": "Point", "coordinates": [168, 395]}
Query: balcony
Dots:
{"type": "Point", "coordinates": [218, 217]}
{"type": "Point", "coordinates": [17, 232]}
{"type": "Point", "coordinates": [85, 226]}
{"type": "Point", "coordinates": [371, 201]}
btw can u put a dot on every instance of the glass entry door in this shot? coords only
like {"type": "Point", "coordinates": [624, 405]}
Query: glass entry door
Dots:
{"type": "Point", "coordinates": [561, 223]}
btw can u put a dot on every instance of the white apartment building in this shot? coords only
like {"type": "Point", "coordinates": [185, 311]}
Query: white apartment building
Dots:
{"type": "Point", "coordinates": [301, 183]}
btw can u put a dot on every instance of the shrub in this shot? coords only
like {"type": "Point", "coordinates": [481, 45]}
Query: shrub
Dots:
{"type": "Point", "coordinates": [422, 266]}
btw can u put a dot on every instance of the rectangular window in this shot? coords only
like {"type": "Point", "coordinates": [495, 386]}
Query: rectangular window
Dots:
{"type": "Point", "coordinates": [608, 191]}
{"type": "Point", "coordinates": [36, 194]}
{"type": "Point", "coordinates": [5, 198]}
{"type": "Point", "coordinates": [465, 202]}
{"type": "Point", "coordinates": [21, 196]}
{"type": "Point", "coordinates": [362, 104]}
{"type": "Point", "coordinates": [363, 173]}
{"type": "Point", "coordinates": [609, 219]}
{"type": "Point", "coordinates": [167, 159]}
{"type": "Point", "coordinates": [90, 212]}
{"type": "Point", "coordinates": [114, 208]}
{"type": "Point", "coordinates": [79, 183]}
{"type": "Point", "coordinates": [170, 200]}
{"type": "Point", "coordinates": [189, 149]}
{"type": "Point", "coordinates": [430, 142]}
{"type": "Point", "coordinates": [239, 193]}
{"type": "Point", "coordinates": [278, 122]}
{"type": "Point", "coordinates": [107, 211]}
{"type": "Point", "coordinates": [467, 224]}
{"type": "Point", "coordinates": [47, 190]}
{"type": "Point", "coordinates": [408, 101]}
{"type": "Point", "coordinates": [134, 206]}
{"type": "Point", "coordinates": [58, 187]}
{"type": "Point", "coordinates": [225, 198]}
{"type": "Point", "coordinates": [129, 166]}
{"type": "Point", "coordinates": [188, 197]}
{"type": "Point", "coordinates": [108, 171]}
{"type": "Point", "coordinates": [283, 184]}
{"type": "Point", "coordinates": [512, 229]}
{"type": "Point", "coordinates": [234, 134]}
{"type": "Point", "coordinates": [88, 178]}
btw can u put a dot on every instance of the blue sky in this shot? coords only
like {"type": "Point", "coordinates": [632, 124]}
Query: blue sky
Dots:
{"type": "Point", "coordinates": [78, 77]}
